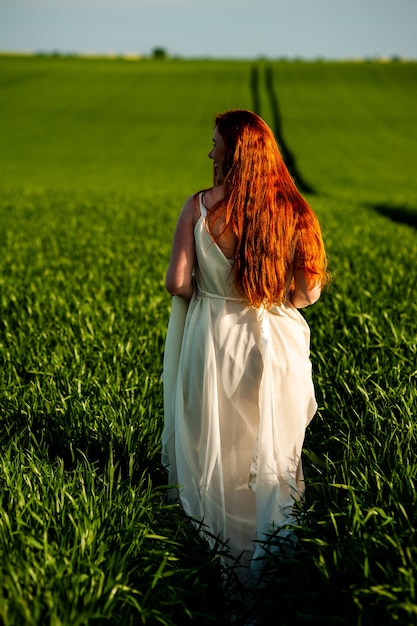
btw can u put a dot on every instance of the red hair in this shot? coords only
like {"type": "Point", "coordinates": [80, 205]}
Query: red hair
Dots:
{"type": "Point", "coordinates": [274, 225]}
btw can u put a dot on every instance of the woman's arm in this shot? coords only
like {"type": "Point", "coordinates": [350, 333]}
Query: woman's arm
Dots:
{"type": "Point", "coordinates": [302, 295]}
{"type": "Point", "coordinates": [179, 274]}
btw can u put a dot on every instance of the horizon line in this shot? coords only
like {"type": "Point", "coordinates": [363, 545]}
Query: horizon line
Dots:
{"type": "Point", "coordinates": [137, 56]}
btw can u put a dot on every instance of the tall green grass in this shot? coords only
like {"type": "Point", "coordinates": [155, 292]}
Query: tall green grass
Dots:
{"type": "Point", "coordinates": [96, 158]}
{"type": "Point", "coordinates": [86, 535]}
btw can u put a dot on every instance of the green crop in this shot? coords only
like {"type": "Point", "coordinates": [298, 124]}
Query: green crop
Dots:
{"type": "Point", "coordinates": [96, 159]}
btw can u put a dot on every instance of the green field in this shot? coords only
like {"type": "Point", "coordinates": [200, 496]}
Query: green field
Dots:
{"type": "Point", "coordinates": [96, 159]}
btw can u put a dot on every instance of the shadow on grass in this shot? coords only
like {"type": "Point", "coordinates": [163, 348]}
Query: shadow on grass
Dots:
{"type": "Point", "coordinates": [399, 214]}
{"type": "Point", "coordinates": [287, 154]}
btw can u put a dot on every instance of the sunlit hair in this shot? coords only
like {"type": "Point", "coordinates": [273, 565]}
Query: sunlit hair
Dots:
{"type": "Point", "coordinates": [274, 225]}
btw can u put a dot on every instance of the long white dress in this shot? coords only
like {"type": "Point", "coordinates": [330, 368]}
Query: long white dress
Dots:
{"type": "Point", "coordinates": [238, 395]}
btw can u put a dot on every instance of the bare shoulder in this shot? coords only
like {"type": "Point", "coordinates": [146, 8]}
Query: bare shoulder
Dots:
{"type": "Point", "coordinates": [191, 208]}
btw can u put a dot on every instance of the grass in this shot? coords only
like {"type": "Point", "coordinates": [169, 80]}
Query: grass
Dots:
{"type": "Point", "coordinates": [86, 533]}
{"type": "Point", "coordinates": [96, 159]}
{"type": "Point", "coordinates": [65, 531]}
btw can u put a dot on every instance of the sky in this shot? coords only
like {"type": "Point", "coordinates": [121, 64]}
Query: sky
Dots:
{"type": "Point", "coordinates": [309, 29]}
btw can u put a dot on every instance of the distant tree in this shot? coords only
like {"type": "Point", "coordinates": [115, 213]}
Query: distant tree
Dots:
{"type": "Point", "coordinates": [159, 53]}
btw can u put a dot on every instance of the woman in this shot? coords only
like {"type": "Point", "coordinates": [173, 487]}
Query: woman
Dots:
{"type": "Point", "coordinates": [247, 253]}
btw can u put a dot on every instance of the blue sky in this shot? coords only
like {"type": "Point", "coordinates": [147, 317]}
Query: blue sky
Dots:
{"type": "Point", "coordinates": [217, 28]}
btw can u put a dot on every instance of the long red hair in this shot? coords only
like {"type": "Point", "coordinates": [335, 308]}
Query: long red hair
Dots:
{"type": "Point", "coordinates": [275, 227]}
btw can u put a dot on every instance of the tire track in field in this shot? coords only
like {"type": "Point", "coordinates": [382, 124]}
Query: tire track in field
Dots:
{"type": "Point", "coordinates": [400, 214]}
{"type": "Point", "coordinates": [254, 84]}
{"type": "Point", "coordinates": [287, 153]}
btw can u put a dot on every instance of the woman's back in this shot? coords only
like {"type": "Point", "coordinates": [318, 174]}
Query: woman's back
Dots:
{"type": "Point", "coordinates": [216, 222]}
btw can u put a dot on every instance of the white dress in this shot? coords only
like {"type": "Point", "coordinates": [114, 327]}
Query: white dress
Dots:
{"type": "Point", "coordinates": [238, 395]}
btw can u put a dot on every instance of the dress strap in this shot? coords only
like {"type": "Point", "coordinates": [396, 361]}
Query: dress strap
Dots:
{"type": "Point", "coordinates": [203, 208]}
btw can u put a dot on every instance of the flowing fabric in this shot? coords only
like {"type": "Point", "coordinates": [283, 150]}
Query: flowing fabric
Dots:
{"type": "Point", "coordinates": [238, 396]}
